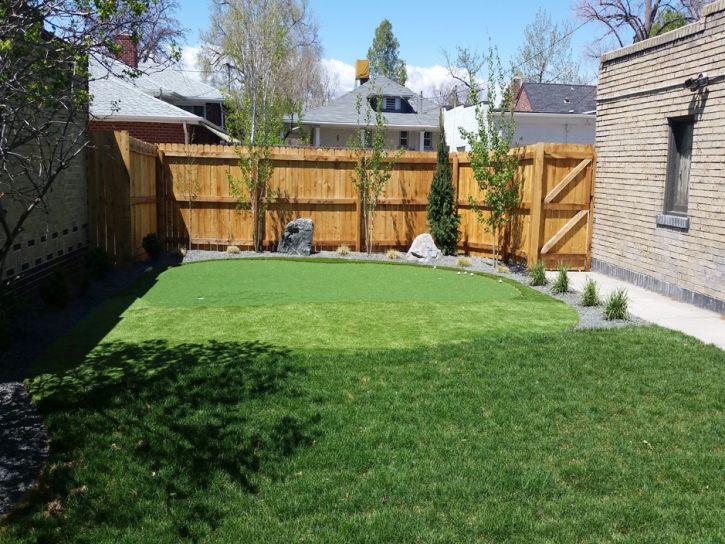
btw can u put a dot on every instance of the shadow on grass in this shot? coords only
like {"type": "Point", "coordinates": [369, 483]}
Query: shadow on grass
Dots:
{"type": "Point", "coordinates": [158, 431]}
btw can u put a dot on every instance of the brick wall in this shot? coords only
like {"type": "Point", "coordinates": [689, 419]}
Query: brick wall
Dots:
{"type": "Point", "coordinates": [640, 89]}
{"type": "Point", "coordinates": [153, 133]}
{"type": "Point", "coordinates": [54, 238]}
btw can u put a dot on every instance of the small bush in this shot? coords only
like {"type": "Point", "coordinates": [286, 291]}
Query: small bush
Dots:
{"type": "Point", "coordinates": [152, 246]}
{"type": "Point", "coordinates": [537, 274]}
{"type": "Point", "coordinates": [392, 254]}
{"type": "Point", "coordinates": [463, 261]}
{"type": "Point", "coordinates": [590, 294]}
{"type": "Point", "coordinates": [561, 285]}
{"type": "Point", "coordinates": [98, 263]}
{"type": "Point", "coordinates": [503, 269]}
{"type": "Point", "coordinates": [615, 305]}
{"type": "Point", "coordinates": [55, 289]}
{"type": "Point", "coordinates": [233, 249]}
{"type": "Point", "coordinates": [343, 250]}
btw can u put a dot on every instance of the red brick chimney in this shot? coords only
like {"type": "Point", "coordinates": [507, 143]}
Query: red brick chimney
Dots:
{"type": "Point", "coordinates": [129, 53]}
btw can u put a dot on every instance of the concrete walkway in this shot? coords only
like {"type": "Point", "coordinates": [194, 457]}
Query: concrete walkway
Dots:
{"type": "Point", "coordinates": [659, 309]}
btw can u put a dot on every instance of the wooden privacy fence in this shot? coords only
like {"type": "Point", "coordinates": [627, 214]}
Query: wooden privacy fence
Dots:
{"type": "Point", "coordinates": [553, 221]}
{"type": "Point", "coordinates": [122, 202]}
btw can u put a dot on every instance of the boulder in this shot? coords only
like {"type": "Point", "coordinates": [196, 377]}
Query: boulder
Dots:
{"type": "Point", "coordinates": [423, 249]}
{"type": "Point", "coordinates": [297, 237]}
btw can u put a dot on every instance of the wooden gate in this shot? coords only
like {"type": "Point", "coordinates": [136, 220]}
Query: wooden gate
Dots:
{"type": "Point", "coordinates": [562, 205]}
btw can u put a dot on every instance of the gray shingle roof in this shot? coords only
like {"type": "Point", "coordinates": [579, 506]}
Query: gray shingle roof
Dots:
{"type": "Point", "coordinates": [113, 97]}
{"type": "Point", "coordinates": [342, 111]}
{"type": "Point", "coordinates": [557, 98]}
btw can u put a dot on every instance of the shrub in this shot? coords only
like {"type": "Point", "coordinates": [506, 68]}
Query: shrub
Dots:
{"type": "Point", "coordinates": [441, 212]}
{"type": "Point", "coordinates": [463, 261]}
{"type": "Point", "coordinates": [233, 249]}
{"type": "Point", "coordinates": [561, 285]}
{"type": "Point", "coordinates": [152, 246]}
{"type": "Point", "coordinates": [343, 250]}
{"type": "Point", "coordinates": [616, 304]}
{"type": "Point", "coordinates": [392, 254]}
{"type": "Point", "coordinates": [55, 289]}
{"type": "Point", "coordinates": [537, 274]}
{"type": "Point", "coordinates": [98, 263]}
{"type": "Point", "coordinates": [590, 294]}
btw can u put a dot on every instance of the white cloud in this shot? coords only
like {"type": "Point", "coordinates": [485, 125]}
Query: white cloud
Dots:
{"type": "Point", "coordinates": [345, 74]}
{"type": "Point", "coordinates": [188, 64]}
{"type": "Point", "coordinates": [422, 78]}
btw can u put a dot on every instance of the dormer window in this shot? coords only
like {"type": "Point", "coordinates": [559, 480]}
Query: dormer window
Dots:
{"type": "Point", "coordinates": [390, 103]}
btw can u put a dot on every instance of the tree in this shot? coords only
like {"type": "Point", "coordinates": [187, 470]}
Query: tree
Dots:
{"type": "Point", "coordinates": [383, 55]}
{"type": "Point", "coordinates": [620, 17]}
{"type": "Point", "coordinates": [442, 212]}
{"type": "Point", "coordinates": [373, 163]}
{"type": "Point", "coordinates": [667, 18]}
{"type": "Point", "coordinates": [545, 56]}
{"type": "Point", "coordinates": [494, 165]}
{"type": "Point", "coordinates": [267, 46]}
{"type": "Point", "coordinates": [45, 48]}
{"type": "Point", "coordinates": [160, 32]}
{"type": "Point", "coordinates": [187, 184]}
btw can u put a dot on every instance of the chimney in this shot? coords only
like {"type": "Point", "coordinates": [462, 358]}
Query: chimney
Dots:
{"type": "Point", "coordinates": [362, 72]}
{"type": "Point", "coordinates": [128, 54]}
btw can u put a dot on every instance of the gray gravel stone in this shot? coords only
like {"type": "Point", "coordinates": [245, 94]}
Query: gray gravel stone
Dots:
{"type": "Point", "coordinates": [23, 444]}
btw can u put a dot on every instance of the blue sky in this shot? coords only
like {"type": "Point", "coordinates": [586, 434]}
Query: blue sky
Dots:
{"type": "Point", "coordinates": [422, 28]}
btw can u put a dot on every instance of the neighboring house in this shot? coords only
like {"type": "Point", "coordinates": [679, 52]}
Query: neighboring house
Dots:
{"type": "Point", "coordinates": [161, 105]}
{"type": "Point", "coordinates": [544, 112]}
{"type": "Point", "coordinates": [660, 199]}
{"type": "Point", "coordinates": [412, 121]}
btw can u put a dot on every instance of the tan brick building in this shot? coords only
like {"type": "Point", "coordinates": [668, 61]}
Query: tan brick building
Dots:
{"type": "Point", "coordinates": [660, 197]}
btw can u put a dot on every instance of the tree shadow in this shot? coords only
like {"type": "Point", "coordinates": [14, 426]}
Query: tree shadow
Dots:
{"type": "Point", "coordinates": [148, 423]}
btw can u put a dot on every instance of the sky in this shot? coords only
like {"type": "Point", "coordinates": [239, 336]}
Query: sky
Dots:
{"type": "Point", "coordinates": [422, 28]}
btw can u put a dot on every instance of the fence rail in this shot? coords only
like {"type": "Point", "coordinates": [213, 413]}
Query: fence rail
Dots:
{"type": "Point", "coordinates": [137, 190]}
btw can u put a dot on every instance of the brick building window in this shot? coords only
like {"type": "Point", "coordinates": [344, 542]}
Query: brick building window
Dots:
{"type": "Point", "coordinates": [678, 166]}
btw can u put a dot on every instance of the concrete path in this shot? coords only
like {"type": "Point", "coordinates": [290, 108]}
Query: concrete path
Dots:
{"type": "Point", "coordinates": [659, 309]}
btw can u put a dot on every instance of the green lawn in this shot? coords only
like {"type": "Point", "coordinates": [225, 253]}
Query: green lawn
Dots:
{"type": "Point", "coordinates": [545, 436]}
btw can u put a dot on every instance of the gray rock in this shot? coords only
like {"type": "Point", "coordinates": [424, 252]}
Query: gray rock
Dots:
{"type": "Point", "coordinates": [423, 249]}
{"type": "Point", "coordinates": [297, 238]}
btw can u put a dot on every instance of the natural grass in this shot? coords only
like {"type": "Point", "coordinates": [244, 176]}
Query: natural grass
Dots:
{"type": "Point", "coordinates": [392, 254]}
{"type": "Point", "coordinates": [609, 435]}
{"type": "Point", "coordinates": [615, 305]}
{"type": "Point", "coordinates": [233, 249]}
{"type": "Point", "coordinates": [561, 285]}
{"type": "Point", "coordinates": [343, 250]}
{"type": "Point", "coordinates": [463, 261]}
{"type": "Point", "coordinates": [590, 294]}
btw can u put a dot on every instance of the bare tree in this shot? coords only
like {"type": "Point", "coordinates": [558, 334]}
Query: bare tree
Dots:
{"type": "Point", "coordinates": [160, 33]}
{"type": "Point", "coordinates": [631, 21]}
{"type": "Point", "coordinates": [45, 48]}
{"type": "Point", "coordinates": [546, 56]}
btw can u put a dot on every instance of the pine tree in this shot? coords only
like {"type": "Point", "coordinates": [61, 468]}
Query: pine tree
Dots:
{"type": "Point", "coordinates": [383, 55]}
{"type": "Point", "coordinates": [442, 213]}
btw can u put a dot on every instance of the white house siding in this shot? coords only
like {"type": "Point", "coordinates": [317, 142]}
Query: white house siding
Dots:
{"type": "Point", "coordinates": [531, 128]}
{"type": "Point", "coordinates": [338, 137]}
{"type": "Point", "coordinates": [640, 88]}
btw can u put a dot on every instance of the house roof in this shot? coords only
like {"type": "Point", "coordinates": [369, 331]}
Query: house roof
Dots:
{"type": "Point", "coordinates": [119, 99]}
{"type": "Point", "coordinates": [343, 111]}
{"type": "Point", "coordinates": [174, 82]}
{"type": "Point", "coordinates": [559, 98]}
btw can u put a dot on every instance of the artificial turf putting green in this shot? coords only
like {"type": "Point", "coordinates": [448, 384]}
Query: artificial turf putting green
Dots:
{"type": "Point", "coordinates": [316, 306]}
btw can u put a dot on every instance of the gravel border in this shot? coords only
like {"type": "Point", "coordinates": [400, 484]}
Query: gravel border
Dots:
{"type": "Point", "coordinates": [589, 317]}
{"type": "Point", "coordinates": [23, 442]}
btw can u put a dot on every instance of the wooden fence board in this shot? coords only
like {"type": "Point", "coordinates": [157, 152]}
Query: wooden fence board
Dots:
{"type": "Point", "coordinates": [316, 183]}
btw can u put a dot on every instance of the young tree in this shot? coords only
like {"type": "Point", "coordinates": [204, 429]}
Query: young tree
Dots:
{"type": "Point", "coordinates": [442, 212]}
{"type": "Point", "coordinates": [373, 163]}
{"type": "Point", "coordinates": [186, 181]}
{"type": "Point", "coordinates": [494, 165]}
{"type": "Point", "coordinates": [45, 48]}
{"type": "Point", "coordinates": [383, 55]}
{"type": "Point", "coordinates": [545, 56]}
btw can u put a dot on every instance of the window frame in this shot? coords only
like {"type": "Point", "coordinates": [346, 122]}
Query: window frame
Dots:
{"type": "Point", "coordinates": [681, 136]}
{"type": "Point", "coordinates": [428, 137]}
{"type": "Point", "coordinates": [387, 100]}
{"type": "Point", "coordinates": [406, 139]}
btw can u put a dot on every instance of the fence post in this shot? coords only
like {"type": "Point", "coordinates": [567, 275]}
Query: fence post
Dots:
{"type": "Point", "coordinates": [590, 219]}
{"type": "Point", "coordinates": [536, 201]}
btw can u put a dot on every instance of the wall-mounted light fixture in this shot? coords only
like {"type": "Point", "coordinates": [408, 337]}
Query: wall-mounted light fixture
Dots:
{"type": "Point", "coordinates": [697, 83]}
